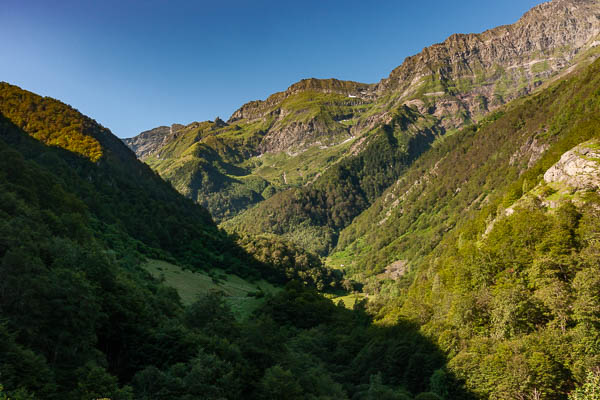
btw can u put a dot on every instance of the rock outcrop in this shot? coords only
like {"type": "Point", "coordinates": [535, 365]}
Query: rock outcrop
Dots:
{"type": "Point", "coordinates": [148, 142]}
{"type": "Point", "coordinates": [578, 168]}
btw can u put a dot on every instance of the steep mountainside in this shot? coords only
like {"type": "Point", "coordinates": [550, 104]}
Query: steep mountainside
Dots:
{"type": "Point", "coordinates": [506, 302]}
{"type": "Point", "coordinates": [115, 176]}
{"type": "Point", "coordinates": [129, 206]}
{"type": "Point", "coordinates": [491, 245]}
{"type": "Point", "coordinates": [148, 142]}
{"type": "Point", "coordinates": [230, 166]}
{"type": "Point", "coordinates": [312, 215]}
{"type": "Point", "coordinates": [285, 144]}
{"type": "Point", "coordinates": [475, 238]}
{"type": "Point", "coordinates": [470, 74]}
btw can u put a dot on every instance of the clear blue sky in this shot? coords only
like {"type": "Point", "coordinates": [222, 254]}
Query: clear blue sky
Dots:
{"type": "Point", "coordinates": [135, 65]}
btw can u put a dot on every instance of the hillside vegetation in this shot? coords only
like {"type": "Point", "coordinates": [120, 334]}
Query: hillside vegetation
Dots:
{"type": "Point", "coordinates": [486, 166]}
{"type": "Point", "coordinates": [451, 211]}
{"type": "Point", "coordinates": [503, 261]}
{"type": "Point", "coordinates": [81, 317]}
{"type": "Point", "coordinates": [313, 215]}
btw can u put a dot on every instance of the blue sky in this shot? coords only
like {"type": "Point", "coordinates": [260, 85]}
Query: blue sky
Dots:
{"type": "Point", "coordinates": [135, 65]}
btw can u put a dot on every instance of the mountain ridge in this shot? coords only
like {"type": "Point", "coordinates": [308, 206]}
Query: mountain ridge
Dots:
{"type": "Point", "coordinates": [290, 139]}
{"type": "Point", "coordinates": [468, 52]}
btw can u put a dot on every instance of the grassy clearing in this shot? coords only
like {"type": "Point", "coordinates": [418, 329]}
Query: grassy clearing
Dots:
{"type": "Point", "coordinates": [349, 300]}
{"type": "Point", "coordinates": [339, 259]}
{"type": "Point", "coordinates": [190, 285]}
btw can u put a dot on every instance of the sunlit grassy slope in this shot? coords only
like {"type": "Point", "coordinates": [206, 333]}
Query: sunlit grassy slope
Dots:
{"type": "Point", "coordinates": [190, 285]}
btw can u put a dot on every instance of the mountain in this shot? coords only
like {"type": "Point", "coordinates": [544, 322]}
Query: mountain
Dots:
{"type": "Point", "coordinates": [220, 164]}
{"type": "Point", "coordinates": [463, 174]}
{"type": "Point", "coordinates": [504, 305]}
{"type": "Point", "coordinates": [313, 157]}
{"type": "Point", "coordinates": [81, 317]}
{"type": "Point", "coordinates": [468, 75]}
{"type": "Point", "coordinates": [466, 203]}
{"type": "Point", "coordinates": [474, 239]}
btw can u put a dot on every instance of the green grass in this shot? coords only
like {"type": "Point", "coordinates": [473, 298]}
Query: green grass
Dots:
{"type": "Point", "coordinates": [339, 259]}
{"type": "Point", "coordinates": [349, 300]}
{"type": "Point", "coordinates": [593, 145]}
{"type": "Point", "coordinates": [540, 67]}
{"type": "Point", "coordinates": [190, 285]}
{"type": "Point", "coordinates": [298, 169]}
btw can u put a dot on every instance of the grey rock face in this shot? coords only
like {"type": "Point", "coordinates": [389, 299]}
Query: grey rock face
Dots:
{"type": "Point", "coordinates": [564, 26]}
{"type": "Point", "coordinates": [149, 142]}
{"type": "Point", "coordinates": [480, 72]}
{"type": "Point", "coordinates": [578, 168]}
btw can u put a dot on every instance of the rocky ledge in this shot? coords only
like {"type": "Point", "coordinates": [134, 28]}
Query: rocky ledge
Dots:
{"type": "Point", "coordinates": [578, 168]}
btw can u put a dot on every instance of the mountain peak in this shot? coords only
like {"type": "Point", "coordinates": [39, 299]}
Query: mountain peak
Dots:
{"type": "Point", "coordinates": [477, 72]}
{"type": "Point", "coordinates": [257, 108]}
{"type": "Point", "coordinates": [330, 85]}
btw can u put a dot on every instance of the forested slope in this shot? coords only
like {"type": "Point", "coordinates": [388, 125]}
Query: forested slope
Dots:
{"type": "Point", "coordinates": [500, 225]}
{"type": "Point", "coordinates": [485, 164]}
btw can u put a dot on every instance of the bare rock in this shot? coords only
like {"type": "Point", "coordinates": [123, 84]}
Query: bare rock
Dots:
{"type": "Point", "coordinates": [578, 168]}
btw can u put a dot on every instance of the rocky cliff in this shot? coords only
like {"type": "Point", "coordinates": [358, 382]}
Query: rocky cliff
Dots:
{"type": "Point", "coordinates": [469, 74]}
{"type": "Point", "coordinates": [578, 168]}
{"type": "Point", "coordinates": [149, 142]}
{"type": "Point", "coordinates": [458, 81]}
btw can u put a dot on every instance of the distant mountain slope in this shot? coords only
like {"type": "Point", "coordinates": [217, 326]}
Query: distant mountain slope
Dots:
{"type": "Point", "coordinates": [219, 164]}
{"type": "Point", "coordinates": [290, 139]}
{"type": "Point", "coordinates": [470, 74]}
{"type": "Point", "coordinates": [312, 215]}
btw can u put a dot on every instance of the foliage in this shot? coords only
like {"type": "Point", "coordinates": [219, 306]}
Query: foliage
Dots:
{"type": "Point", "coordinates": [51, 122]}
{"type": "Point", "coordinates": [81, 318]}
{"type": "Point", "coordinates": [590, 390]}
{"type": "Point", "coordinates": [290, 262]}
{"type": "Point", "coordinates": [503, 302]}
{"type": "Point", "coordinates": [242, 295]}
{"type": "Point", "coordinates": [126, 203]}
{"type": "Point", "coordinates": [471, 176]}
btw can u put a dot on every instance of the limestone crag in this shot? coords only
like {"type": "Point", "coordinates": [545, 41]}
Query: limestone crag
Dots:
{"type": "Point", "coordinates": [578, 168]}
{"type": "Point", "coordinates": [149, 142]}
{"type": "Point", "coordinates": [482, 71]}
{"type": "Point", "coordinates": [297, 136]}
